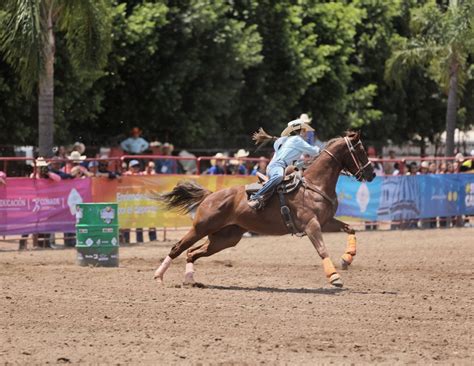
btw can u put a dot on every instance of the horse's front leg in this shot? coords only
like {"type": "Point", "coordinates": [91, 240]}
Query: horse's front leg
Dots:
{"type": "Point", "coordinates": [334, 225]}
{"type": "Point", "coordinates": [314, 232]}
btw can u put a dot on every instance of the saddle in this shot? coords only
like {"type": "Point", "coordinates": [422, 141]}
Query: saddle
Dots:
{"type": "Point", "coordinates": [289, 184]}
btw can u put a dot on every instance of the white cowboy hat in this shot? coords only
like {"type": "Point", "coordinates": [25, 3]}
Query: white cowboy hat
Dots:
{"type": "Point", "coordinates": [296, 125]}
{"type": "Point", "coordinates": [305, 118]}
{"type": "Point", "coordinates": [168, 145]}
{"type": "Point", "coordinates": [425, 164]}
{"type": "Point", "coordinates": [79, 146]}
{"type": "Point", "coordinates": [76, 157]}
{"type": "Point", "coordinates": [218, 155]}
{"type": "Point", "coordinates": [241, 154]}
{"type": "Point", "coordinates": [40, 162]}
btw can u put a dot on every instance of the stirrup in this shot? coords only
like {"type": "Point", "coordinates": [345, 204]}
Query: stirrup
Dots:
{"type": "Point", "coordinates": [256, 203]}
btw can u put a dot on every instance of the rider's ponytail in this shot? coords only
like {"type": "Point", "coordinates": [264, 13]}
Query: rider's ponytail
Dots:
{"type": "Point", "coordinates": [262, 138]}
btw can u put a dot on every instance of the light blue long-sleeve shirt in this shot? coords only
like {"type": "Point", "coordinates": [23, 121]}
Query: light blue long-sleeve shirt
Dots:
{"type": "Point", "coordinates": [134, 145]}
{"type": "Point", "coordinates": [288, 149]}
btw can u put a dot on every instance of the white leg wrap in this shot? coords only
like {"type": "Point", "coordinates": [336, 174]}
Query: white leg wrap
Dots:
{"type": "Point", "coordinates": [163, 267]}
{"type": "Point", "coordinates": [189, 273]}
{"type": "Point", "coordinates": [189, 268]}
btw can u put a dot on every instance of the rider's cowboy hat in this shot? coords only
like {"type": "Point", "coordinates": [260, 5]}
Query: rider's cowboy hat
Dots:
{"type": "Point", "coordinates": [304, 118]}
{"type": "Point", "coordinates": [76, 157]}
{"type": "Point", "coordinates": [296, 125]}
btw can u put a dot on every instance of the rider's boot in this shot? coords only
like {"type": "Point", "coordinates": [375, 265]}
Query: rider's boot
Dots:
{"type": "Point", "coordinates": [256, 203]}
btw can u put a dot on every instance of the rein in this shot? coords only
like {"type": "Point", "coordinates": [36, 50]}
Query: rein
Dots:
{"type": "Point", "coordinates": [360, 169]}
{"type": "Point", "coordinates": [358, 164]}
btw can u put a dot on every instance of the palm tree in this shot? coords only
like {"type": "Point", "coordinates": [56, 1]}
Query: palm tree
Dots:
{"type": "Point", "coordinates": [443, 41]}
{"type": "Point", "coordinates": [27, 40]}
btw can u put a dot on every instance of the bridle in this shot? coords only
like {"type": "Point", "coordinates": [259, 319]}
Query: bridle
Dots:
{"type": "Point", "coordinates": [355, 158]}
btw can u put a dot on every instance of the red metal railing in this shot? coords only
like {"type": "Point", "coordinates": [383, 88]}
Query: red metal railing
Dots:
{"type": "Point", "coordinates": [115, 163]}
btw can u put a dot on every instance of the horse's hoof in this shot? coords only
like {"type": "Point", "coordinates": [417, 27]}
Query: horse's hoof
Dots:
{"type": "Point", "coordinates": [159, 279]}
{"type": "Point", "coordinates": [344, 265]}
{"type": "Point", "coordinates": [335, 280]}
{"type": "Point", "coordinates": [189, 279]}
{"type": "Point", "coordinates": [187, 283]}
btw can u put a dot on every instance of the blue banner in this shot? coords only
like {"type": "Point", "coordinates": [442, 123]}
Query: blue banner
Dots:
{"type": "Point", "coordinates": [402, 198]}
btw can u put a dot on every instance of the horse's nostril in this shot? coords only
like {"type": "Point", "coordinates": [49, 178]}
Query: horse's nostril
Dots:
{"type": "Point", "coordinates": [373, 175]}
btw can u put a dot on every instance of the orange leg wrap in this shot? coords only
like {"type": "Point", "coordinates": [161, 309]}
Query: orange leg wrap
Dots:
{"type": "Point", "coordinates": [347, 258]}
{"type": "Point", "coordinates": [329, 269]}
{"type": "Point", "coordinates": [351, 244]}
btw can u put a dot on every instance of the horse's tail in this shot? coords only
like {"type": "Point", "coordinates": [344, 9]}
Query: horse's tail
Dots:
{"type": "Point", "coordinates": [185, 196]}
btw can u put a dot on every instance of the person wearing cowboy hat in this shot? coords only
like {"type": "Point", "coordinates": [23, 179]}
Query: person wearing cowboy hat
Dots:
{"type": "Point", "coordinates": [76, 169]}
{"type": "Point", "coordinates": [237, 165]}
{"type": "Point", "coordinates": [41, 170]}
{"type": "Point", "coordinates": [217, 165]}
{"type": "Point", "coordinates": [288, 149]}
{"type": "Point", "coordinates": [166, 166]}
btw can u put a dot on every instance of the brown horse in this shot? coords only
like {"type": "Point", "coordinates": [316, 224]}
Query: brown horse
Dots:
{"type": "Point", "coordinates": [224, 216]}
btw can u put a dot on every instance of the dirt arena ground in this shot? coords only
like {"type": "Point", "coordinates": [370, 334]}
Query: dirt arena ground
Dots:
{"type": "Point", "coordinates": [407, 299]}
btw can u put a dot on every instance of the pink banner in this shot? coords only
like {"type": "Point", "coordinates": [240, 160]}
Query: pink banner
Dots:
{"type": "Point", "coordinates": [40, 205]}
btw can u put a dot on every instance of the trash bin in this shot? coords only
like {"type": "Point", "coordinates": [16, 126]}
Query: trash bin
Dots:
{"type": "Point", "coordinates": [97, 234]}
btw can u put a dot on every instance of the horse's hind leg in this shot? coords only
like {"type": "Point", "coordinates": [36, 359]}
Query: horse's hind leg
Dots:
{"type": "Point", "coordinates": [334, 225]}
{"type": "Point", "coordinates": [185, 243]}
{"type": "Point", "coordinates": [227, 237]}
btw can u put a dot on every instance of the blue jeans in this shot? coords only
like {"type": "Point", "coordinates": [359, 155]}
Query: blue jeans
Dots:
{"type": "Point", "coordinates": [276, 173]}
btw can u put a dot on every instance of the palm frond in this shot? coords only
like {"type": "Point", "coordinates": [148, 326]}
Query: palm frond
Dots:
{"type": "Point", "coordinates": [87, 25]}
{"type": "Point", "coordinates": [417, 52]}
{"type": "Point", "coordinates": [22, 38]}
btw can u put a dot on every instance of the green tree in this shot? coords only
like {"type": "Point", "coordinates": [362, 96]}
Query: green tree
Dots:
{"type": "Point", "coordinates": [177, 71]}
{"type": "Point", "coordinates": [443, 41]}
{"type": "Point", "coordinates": [28, 43]}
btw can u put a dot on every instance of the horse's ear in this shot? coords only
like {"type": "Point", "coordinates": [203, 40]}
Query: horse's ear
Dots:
{"type": "Point", "coordinates": [353, 135]}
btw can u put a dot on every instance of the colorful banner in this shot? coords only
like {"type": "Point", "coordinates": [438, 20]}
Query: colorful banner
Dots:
{"type": "Point", "coordinates": [407, 197]}
{"type": "Point", "coordinates": [37, 205]}
{"type": "Point", "coordinates": [136, 197]}
{"type": "Point", "coordinates": [40, 205]}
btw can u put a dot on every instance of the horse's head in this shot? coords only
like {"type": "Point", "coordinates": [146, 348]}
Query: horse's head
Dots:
{"type": "Point", "coordinates": [354, 158]}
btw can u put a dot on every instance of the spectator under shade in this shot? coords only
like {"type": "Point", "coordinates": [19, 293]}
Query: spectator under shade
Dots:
{"type": "Point", "coordinates": [237, 166]}
{"type": "Point", "coordinates": [424, 167]}
{"type": "Point", "coordinates": [261, 167]}
{"type": "Point", "coordinates": [103, 169]}
{"type": "Point", "coordinates": [133, 168]}
{"type": "Point", "coordinates": [135, 144]}
{"type": "Point", "coordinates": [77, 170]}
{"type": "Point", "coordinates": [56, 167]}
{"type": "Point", "coordinates": [41, 171]}
{"type": "Point", "coordinates": [150, 169]}
{"type": "Point", "coordinates": [217, 165]}
{"type": "Point", "coordinates": [166, 166]}
{"type": "Point", "coordinates": [189, 166]}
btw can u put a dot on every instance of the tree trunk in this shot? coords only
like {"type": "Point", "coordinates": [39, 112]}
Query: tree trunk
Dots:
{"type": "Point", "coordinates": [46, 92]}
{"type": "Point", "coordinates": [451, 110]}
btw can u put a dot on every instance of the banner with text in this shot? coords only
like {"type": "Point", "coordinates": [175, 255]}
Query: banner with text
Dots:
{"type": "Point", "coordinates": [135, 197]}
{"type": "Point", "coordinates": [40, 206]}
